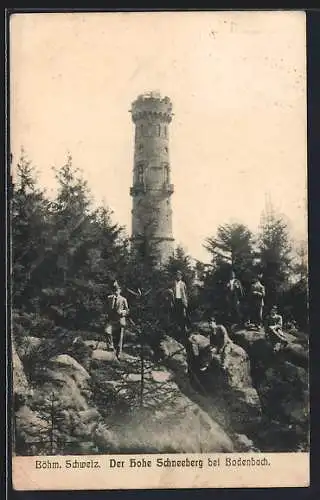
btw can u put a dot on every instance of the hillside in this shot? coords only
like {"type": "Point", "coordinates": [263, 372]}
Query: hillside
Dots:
{"type": "Point", "coordinates": [72, 396]}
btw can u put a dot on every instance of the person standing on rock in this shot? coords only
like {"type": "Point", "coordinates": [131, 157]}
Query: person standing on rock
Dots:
{"type": "Point", "coordinates": [118, 310]}
{"type": "Point", "coordinates": [234, 296]}
{"type": "Point", "coordinates": [179, 304]}
{"type": "Point", "coordinates": [257, 295]}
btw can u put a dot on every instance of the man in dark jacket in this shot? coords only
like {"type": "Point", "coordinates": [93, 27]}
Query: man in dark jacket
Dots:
{"type": "Point", "coordinates": [234, 297]}
{"type": "Point", "coordinates": [179, 303]}
{"type": "Point", "coordinates": [117, 310]}
{"type": "Point", "coordinates": [257, 295]}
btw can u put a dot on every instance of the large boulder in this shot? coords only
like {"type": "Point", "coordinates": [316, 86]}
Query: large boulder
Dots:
{"type": "Point", "coordinates": [227, 394]}
{"type": "Point", "coordinates": [173, 353]}
{"type": "Point", "coordinates": [284, 393]}
{"type": "Point", "coordinates": [63, 401]}
{"type": "Point", "coordinates": [68, 380]}
{"type": "Point", "coordinates": [158, 418]}
{"type": "Point", "coordinates": [21, 388]}
{"type": "Point", "coordinates": [30, 429]}
{"type": "Point", "coordinates": [102, 355]}
{"type": "Point", "coordinates": [168, 422]}
{"type": "Point", "coordinates": [228, 378]}
{"type": "Point", "coordinates": [261, 351]}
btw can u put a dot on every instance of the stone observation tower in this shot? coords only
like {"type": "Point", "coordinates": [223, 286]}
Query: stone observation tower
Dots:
{"type": "Point", "coordinates": [152, 190]}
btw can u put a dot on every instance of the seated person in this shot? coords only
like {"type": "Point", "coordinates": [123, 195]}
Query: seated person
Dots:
{"type": "Point", "coordinates": [273, 328]}
{"type": "Point", "coordinates": [230, 357]}
{"type": "Point", "coordinates": [199, 347]}
{"type": "Point", "coordinates": [206, 347]}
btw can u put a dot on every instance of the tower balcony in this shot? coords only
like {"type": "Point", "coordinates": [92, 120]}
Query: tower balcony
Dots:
{"type": "Point", "coordinates": [168, 188]}
{"type": "Point", "coordinates": [138, 189]}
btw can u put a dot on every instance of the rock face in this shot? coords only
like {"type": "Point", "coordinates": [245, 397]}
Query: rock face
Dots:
{"type": "Point", "coordinates": [226, 394]}
{"type": "Point", "coordinates": [60, 410]}
{"type": "Point", "coordinates": [84, 400]}
{"type": "Point", "coordinates": [21, 388]}
{"type": "Point", "coordinates": [69, 379]}
{"type": "Point", "coordinates": [281, 380]}
{"type": "Point", "coordinates": [160, 418]}
{"type": "Point", "coordinates": [30, 428]}
{"type": "Point", "coordinates": [74, 410]}
{"type": "Point", "coordinates": [229, 377]}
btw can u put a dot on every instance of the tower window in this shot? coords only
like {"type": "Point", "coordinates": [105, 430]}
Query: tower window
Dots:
{"type": "Point", "coordinates": [158, 130]}
{"type": "Point", "coordinates": [140, 173]}
{"type": "Point", "coordinates": [166, 173]}
{"type": "Point", "coordinates": [165, 131]}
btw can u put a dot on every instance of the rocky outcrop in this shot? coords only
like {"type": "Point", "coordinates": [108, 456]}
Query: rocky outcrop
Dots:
{"type": "Point", "coordinates": [165, 421]}
{"type": "Point", "coordinates": [21, 388]}
{"type": "Point", "coordinates": [281, 380]}
{"type": "Point", "coordinates": [159, 418]}
{"type": "Point", "coordinates": [30, 429]}
{"type": "Point", "coordinates": [247, 399]}
{"type": "Point", "coordinates": [228, 378]}
{"type": "Point", "coordinates": [60, 411]}
{"type": "Point", "coordinates": [259, 349]}
{"type": "Point", "coordinates": [102, 409]}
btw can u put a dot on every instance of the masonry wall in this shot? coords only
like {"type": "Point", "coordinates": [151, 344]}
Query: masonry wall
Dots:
{"type": "Point", "coordinates": [152, 188]}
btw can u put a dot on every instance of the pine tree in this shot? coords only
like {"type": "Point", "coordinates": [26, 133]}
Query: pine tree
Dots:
{"type": "Point", "coordinates": [295, 299]}
{"type": "Point", "coordinates": [180, 261]}
{"type": "Point", "coordinates": [275, 254]}
{"type": "Point", "coordinates": [232, 248]}
{"type": "Point", "coordinates": [84, 257]}
{"type": "Point", "coordinates": [30, 226]}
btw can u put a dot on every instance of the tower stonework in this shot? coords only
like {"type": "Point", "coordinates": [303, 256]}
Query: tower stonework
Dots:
{"type": "Point", "coordinates": [152, 189]}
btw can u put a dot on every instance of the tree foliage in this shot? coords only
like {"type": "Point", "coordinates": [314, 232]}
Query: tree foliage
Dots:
{"type": "Point", "coordinates": [275, 254]}
{"type": "Point", "coordinates": [231, 249]}
{"type": "Point", "coordinates": [66, 255]}
{"type": "Point", "coordinates": [30, 233]}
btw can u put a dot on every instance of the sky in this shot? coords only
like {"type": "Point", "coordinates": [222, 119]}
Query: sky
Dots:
{"type": "Point", "coordinates": [238, 87]}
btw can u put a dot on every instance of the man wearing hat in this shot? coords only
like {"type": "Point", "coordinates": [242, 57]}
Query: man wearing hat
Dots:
{"type": "Point", "coordinates": [179, 302]}
{"type": "Point", "coordinates": [118, 310]}
{"type": "Point", "coordinates": [257, 294]}
{"type": "Point", "coordinates": [274, 332]}
{"type": "Point", "coordinates": [234, 297]}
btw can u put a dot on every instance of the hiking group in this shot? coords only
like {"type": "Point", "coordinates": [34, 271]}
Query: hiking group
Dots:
{"type": "Point", "coordinates": [177, 301]}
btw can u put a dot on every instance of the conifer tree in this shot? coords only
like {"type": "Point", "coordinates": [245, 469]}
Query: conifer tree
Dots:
{"type": "Point", "coordinates": [275, 254]}
{"type": "Point", "coordinates": [30, 232]}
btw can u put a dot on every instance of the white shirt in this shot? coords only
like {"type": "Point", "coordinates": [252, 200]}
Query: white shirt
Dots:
{"type": "Point", "coordinates": [232, 283]}
{"type": "Point", "coordinates": [178, 290]}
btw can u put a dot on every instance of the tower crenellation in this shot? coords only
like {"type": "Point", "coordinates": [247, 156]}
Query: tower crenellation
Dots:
{"type": "Point", "coordinates": [152, 188]}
